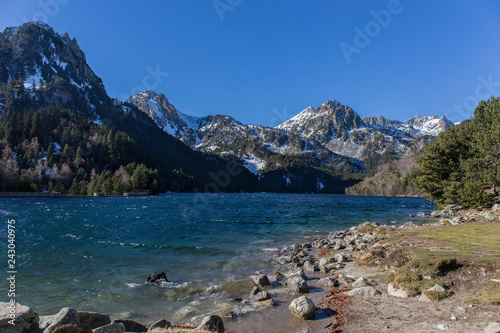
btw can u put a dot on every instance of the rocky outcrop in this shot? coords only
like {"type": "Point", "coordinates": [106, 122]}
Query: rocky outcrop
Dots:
{"type": "Point", "coordinates": [65, 316]}
{"type": "Point", "coordinates": [17, 318]}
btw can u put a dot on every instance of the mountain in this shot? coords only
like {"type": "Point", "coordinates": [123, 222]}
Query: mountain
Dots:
{"type": "Point", "coordinates": [42, 73]}
{"type": "Point", "coordinates": [332, 136]}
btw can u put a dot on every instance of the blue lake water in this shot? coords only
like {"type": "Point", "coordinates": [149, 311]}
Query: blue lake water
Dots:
{"type": "Point", "coordinates": [95, 253]}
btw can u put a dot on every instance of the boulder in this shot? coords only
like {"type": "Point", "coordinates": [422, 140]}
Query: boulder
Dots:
{"type": "Point", "coordinates": [258, 295]}
{"type": "Point", "coordinates": [91, 320]}
{"type": "Point", "coordinates": [157, 277]}
{"type": "Point", "coordinates": [328, 282]}
{"type": "Point", "coordinates": [297, 272]}
{"type": "Point", "coordinates": [496, 208]}
{"type": "Point", "coordinates": [130, 325]}
{"type": "Point", "coordinates": [110, 328]}
{"type": "Point", "coordinates": [297, 284]}
{"type": "Point", "coordinates": [341, 257]}
{"type": "Point", "coordinates": [360, 282]}
{"type": "Point", "coordinates": [64, 317]}
{"type": "Point", "coordinates": [260, 280]}
{"type": "Point", "coordinates": [161, 324]}
{"type": "Point", "coordinates": [343, 279]}
{"type": "Point", "coordinates": [323, 261]}
{"type": "Point", "coordinates": [25, 320]}
{"type": "Point", "coordinates": [423, 298]}
{"type": "Point", "coordinates": [396, 292]}
{"type": "Point", "coordinates": [268, 303]}
{"type": "Point", "coordinates": [302, 307]}
{"type": "Point", "coordinates": [364, 291]}
{"type": "Point", "coordinates": [212, 323]}
{"type": "Point", "coordinates": [309, 267]}
{"type": "Point", "coordinates": [492, 328]}
{"type": "Point", "coordinates": [438, 288]}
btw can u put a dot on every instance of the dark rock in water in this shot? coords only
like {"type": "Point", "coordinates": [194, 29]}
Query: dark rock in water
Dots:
{"type": "Point", "coordinates": [212, 323]}
{"type": "Point", "coordinates": [160, 324]}
{"type": "Point", "coordinates": [91, 320]}
{"type": "Point", "coordinates": [260, 280]}
{"type": "Point", "coordinates": [157, 277]}
{"type": "Point", "coordinates": [130, 325]}
{"type": "Point", "coordinates": [258, 295]}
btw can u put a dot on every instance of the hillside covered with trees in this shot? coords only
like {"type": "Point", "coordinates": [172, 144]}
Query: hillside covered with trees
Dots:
{"type": "Point", "coordinates": [462, 166]}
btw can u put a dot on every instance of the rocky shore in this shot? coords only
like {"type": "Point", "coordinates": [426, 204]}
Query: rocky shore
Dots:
{"type": "Point", "coordinates": [369, 278]}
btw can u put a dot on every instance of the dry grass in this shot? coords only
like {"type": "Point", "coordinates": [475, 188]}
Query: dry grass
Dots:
{"type": "Point", "coordinates": [491, 293]}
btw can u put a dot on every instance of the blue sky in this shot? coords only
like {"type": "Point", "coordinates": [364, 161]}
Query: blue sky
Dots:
{"type": "Point", "coordinates": [262, 62]}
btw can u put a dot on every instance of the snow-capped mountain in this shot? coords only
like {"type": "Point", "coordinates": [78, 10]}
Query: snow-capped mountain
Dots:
{"type": "Point", "coordinates": [51, 67]}
{"type": "Point", "coordinates": [333, 135]}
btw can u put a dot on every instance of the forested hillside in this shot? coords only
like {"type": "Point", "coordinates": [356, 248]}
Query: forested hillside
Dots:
{"type": "Point", "coordinates": [462, 166]}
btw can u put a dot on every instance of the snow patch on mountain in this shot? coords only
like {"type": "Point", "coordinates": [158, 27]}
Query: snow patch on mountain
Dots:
{"type": "Point", "coordinates": [253, 163]}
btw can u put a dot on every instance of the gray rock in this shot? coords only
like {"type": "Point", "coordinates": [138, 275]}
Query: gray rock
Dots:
{"type": "Point", "coordinates": [443, 327]}
{"type": "Point", "coordinates": [130, 325]}
{"type": "Point", "coordinates": [260, 280]}
{"type": "Point", "coordinates": [268, 303]}
{"type": "Point", "coordinates": [65, 317]}
{"type": "Point", "coordinates": [258, 295]}
{"type": "Point", "coordinates": [328, 282]}
{"type": "Point", "coordinates": [111, 328]}
{"type": "Point", "coordinates": [360, 282]}
{"type": "Point", "coordinates": [297, 285]}
{"type": "Point", "coordinates": [297, 272]}
{"type": "Point", "coordinates": [396, 292]}
{"type": "Point", "coordinates": [160, 324]}
{"type": "Point", "coordinates": [212, 323]}
{"type": "Point", "coordinates": [341, 257]}
{"type": "Point", "coordinates": [91, 320]}
{"type": "Point", "coordinates": [424, 298]}
{"type": "Point", "coordinates": [45, 322]}
{"type": "Point", "coordinates": [496, 208]}
{"type": "Point", "coordinates": [25, 319]}
{"type": "Point", "coordinates": [344, 279]}
{"type": "Point", "coordinates": [492, 328]}
{"type": "Point", "coordinates": [489, 216]}
{"type": "Point", "coordinates": [302, 307]}
{"type": "Point", "coordinates": [324, 269]}
{"type": "Point", "coordinates": [436, 213]}
{"type": "Point", "coordinates": [323, 261]}
{"type": "Point", "coordinates": [308, 266]}
{"type": "Point", "coordinates": [364, 291]}
{"type": "Point", "coordinates": [438, 288]}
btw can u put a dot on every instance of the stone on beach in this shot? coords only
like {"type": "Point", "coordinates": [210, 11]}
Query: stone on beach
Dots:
{"type": "Point", "coordinates": [260, 280]}
{"type": "Point", "coordinates": [492, 328]}
{"type": "Point", "coordinates": [64, 317]}
{"type": "Point", "coordinates": [364, 291]}
{"type": "Point", "coordinates": [161, 324]}
{"type": "Point", "coordinates": [309, 267]}
{"type": "Point", "coordinates": [302, 307]}
{"type": "Point", "coordinates": [297, 272]}
{"type": "Point", "coordinates": [328, 282]}
{"type": "Point", "coordinates": [111, 328]}
{"type": "Point", "coordinates": [297, 284]}
{"type": "Point", "coordinates": [323, 261]}
{"type": "Point", "coordinates": [130, 325]}
{"type": "Point", "coordinates": [343, 279]}
{"type": "Point", "coordinates": [258, 295]}
{"type": "Point", "coordinates": [91, 320]}
{"type": "Point", "coordinates": [360, 282]}
{"type": "Point", "coordinates": [212, 323]}
{"type": "Point", "coordinates": [396, 292]}
{"type": "Point", "coordinates": [26, 319]}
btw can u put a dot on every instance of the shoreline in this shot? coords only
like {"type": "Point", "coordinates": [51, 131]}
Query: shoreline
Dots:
{"type": "Point", "coordinates": [318, 261]}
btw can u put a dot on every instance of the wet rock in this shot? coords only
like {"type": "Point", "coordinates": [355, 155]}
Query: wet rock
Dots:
{"type": "Point", "coordinates": [260, 280]}
{"type": "Point", "coordinates": [161, 324]}
{"type": "Point", "coordinates": [64, 317]}
{"type": "Point", "coordinates": [111, 328]}
{"type": "Point", "coordinates": [302, 307]}
{"type": "Point", "coordinates": [157, 277]}
{"type": "Point", "coordinates": [212, 323]}
{"type": "Point", "coordinates": [258, 295]}
{"type": "Point", "coordinates": [91, 320]}
{"type": "Point", "coordinates": [26, 320]}
{"type": "Point", "coordinates": [297, 285]}
{"type": "Point", "coordinates": [364, 291]}
{"type": "Point", "coordinates": [130, 325]}
{"type": "Point", "coordinates": [492, 328]}
{"type": "Point", "coordinates": [396, 292]}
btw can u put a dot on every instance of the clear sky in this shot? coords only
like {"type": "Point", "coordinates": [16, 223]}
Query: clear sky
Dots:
{"type": "Point", "coordinates": [262, 62]}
